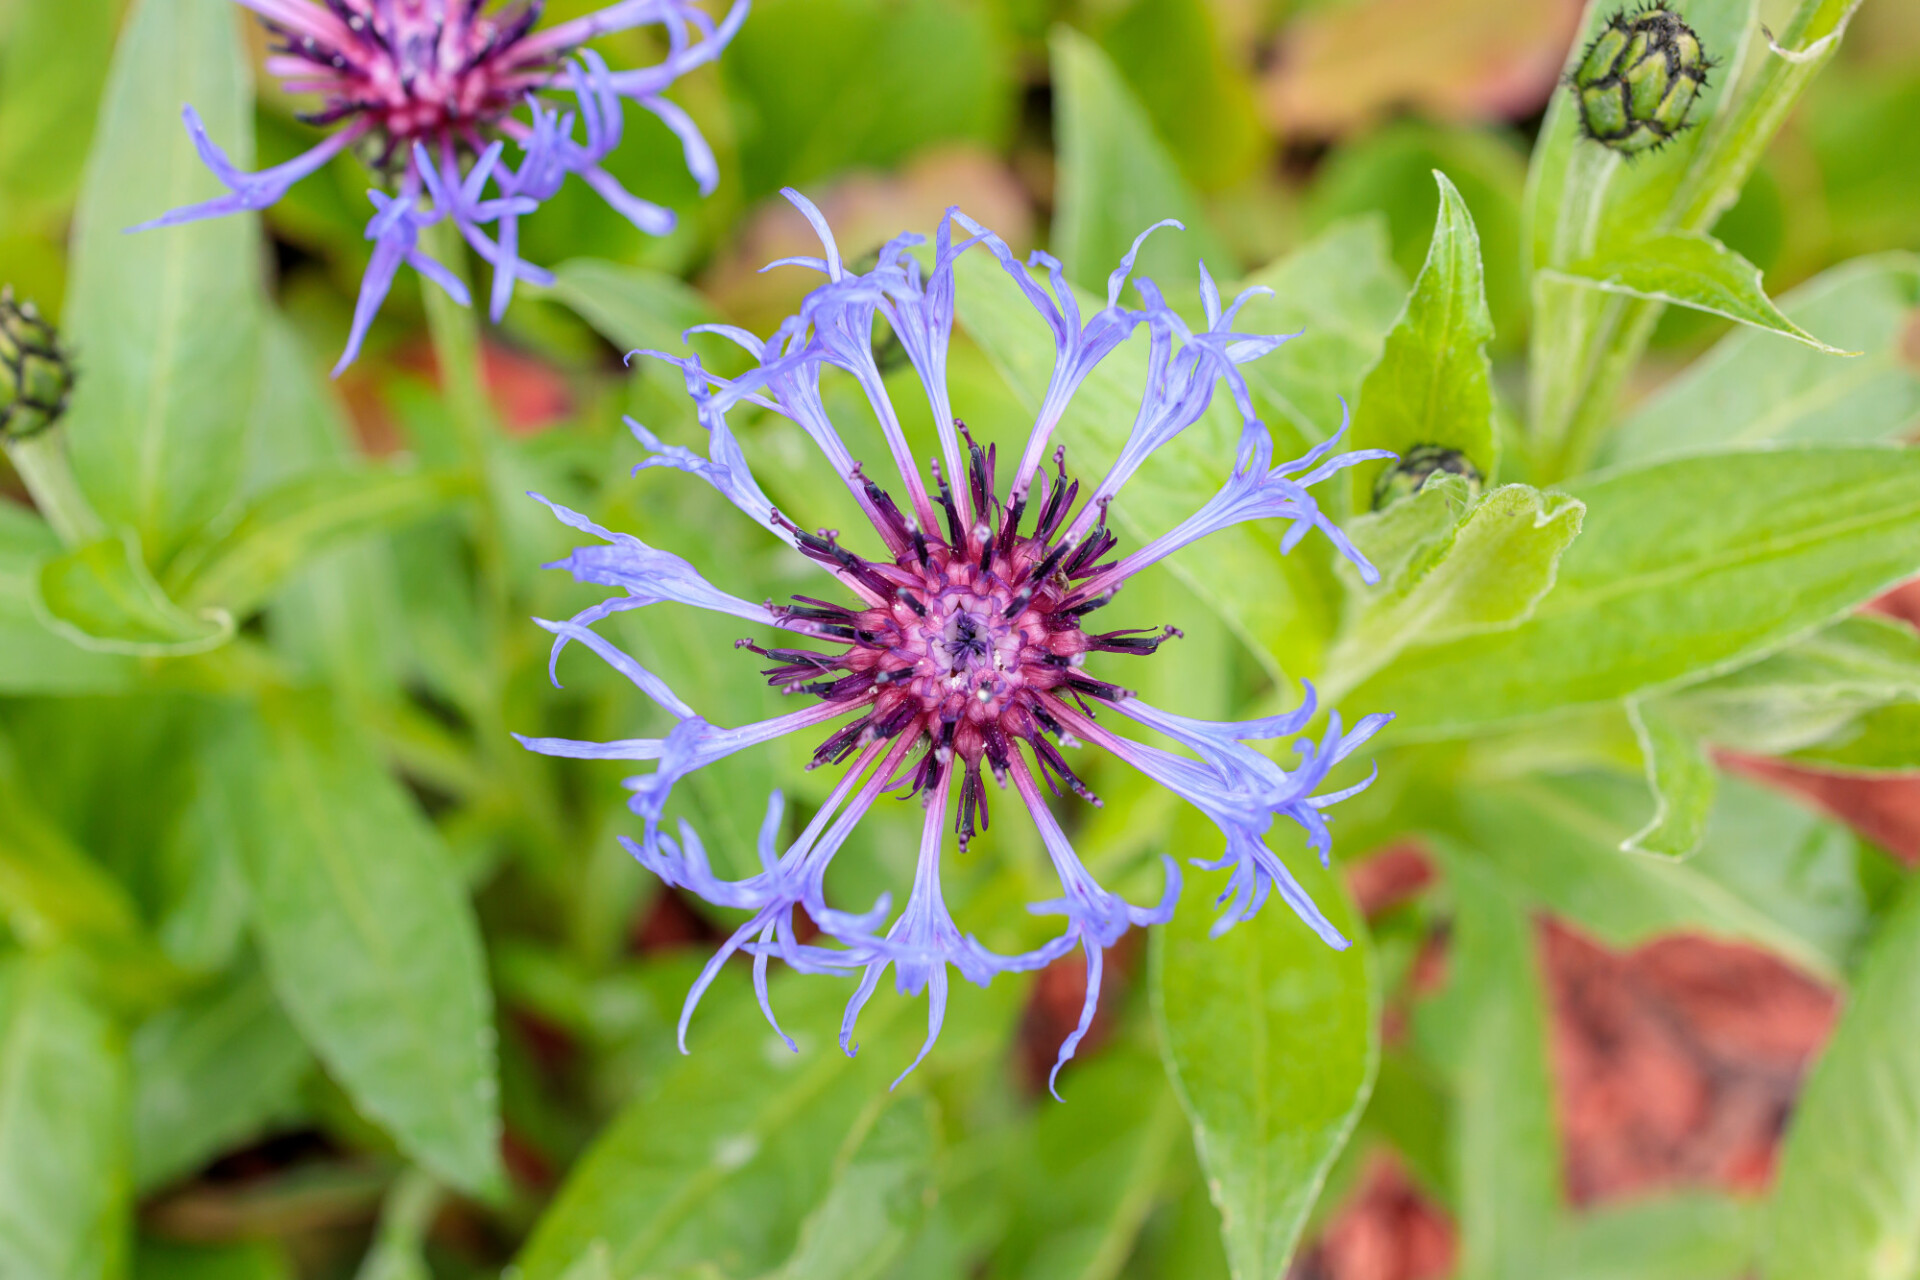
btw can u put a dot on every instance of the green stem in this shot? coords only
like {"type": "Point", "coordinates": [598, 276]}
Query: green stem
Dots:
{"type": "Point", "coordinates": [41, 462]}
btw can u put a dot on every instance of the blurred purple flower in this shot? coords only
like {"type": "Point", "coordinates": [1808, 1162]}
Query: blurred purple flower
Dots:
{"type": "Point", "coordinates": [432, 86]}
{"type": "Point", "coordinates": [963, 651]}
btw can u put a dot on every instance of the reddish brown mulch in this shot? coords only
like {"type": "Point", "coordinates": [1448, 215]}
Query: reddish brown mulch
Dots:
{"type": "Point", "coordinates": [1388, 1231]}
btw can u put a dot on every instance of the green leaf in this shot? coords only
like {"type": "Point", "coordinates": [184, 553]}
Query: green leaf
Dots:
{"type": "Point", "coordinates": [1506, 1149]}
{"type": "Point", "coordinates": [51, 70]}
{"type": "Point", "coordinates": [1881, 741]}
{"type": "Point", "coordinates": [872, 69]}
{"type": "Point", "coordinates": [725, 1152]}
{"type": "Point", "coordinates": [1681, 778]}
{"type": "Point", "coordinates": [38, 660]}
{"type": "Point", "coordinates": [1340, 292]}
{"type": "Point", "coordinates": [1846, 1201]}
{"type": "Point", "coordinates": [169, 319]}
{"type": "Point", "coordinates": [1689, 1236]}
{"type": "Point", "coordinates": [405, 1218]}
{"type": "Point", "coordinates": [252, 1260]}
{"type": "Point", "coordinates": [1693, 270]}
{"type": "Point", "coordinates": [1271, 1038]}
{"type": "Point", "coordinates": [101, 597]}
{"type": "Point", "coordinates": [209, 1073]}
{"type": "Point", "coordinates": [1750, 389]}
{"type": "Point", "coordinates": [63, 1098]}
{"type": "Point", "coordinates": [1678, 573]}
{"type": "Point", "coordinates": [1812, 691]}
{"type": "Point", "coordinates": [1094, 1167]}
{"type": "Point", "coordinates": [368, 936]}
{"type": "Point", "coordinates": [1487, 572]}
{"type": "Point", "coordinates": [882, 1185]}
{"type": "Point", "coordinates": [1117, 179]}
{"type": "Point", "coordinates": [285, 527]}
{"type": "Point", "coordinates": [631, 307]}
{"type": "Point", "coordinates": [50, 890]}
{"type": "Point", "coordinates": [1431, 386]}
{"type": "Point", "coordinates": [1768, 871]}
{"type": "Point", "coordinates": [1190, 80]}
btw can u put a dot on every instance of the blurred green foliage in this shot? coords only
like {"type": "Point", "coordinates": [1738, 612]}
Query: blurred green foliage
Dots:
{"type": "Point", "coordinates": [309, 970]}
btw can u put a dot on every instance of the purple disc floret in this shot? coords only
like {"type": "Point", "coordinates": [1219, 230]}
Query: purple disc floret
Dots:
{"type": "Point", "coordinates": [431, 91]}
{"type": "Point", "coordinates": [957, 657]}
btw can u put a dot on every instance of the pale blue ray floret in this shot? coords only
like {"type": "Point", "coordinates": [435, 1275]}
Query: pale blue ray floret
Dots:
{"type": "Point", "coordinates": [963, 647]}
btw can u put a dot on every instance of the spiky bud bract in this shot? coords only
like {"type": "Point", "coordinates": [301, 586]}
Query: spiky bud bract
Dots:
{"type": "Point", "coordinates": [36, 376]}
{"type": "Point", "coordinates": [1637, 81]}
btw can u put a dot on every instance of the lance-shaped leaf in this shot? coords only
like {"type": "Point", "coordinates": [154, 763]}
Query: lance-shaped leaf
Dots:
{"type": "Point", "coordinates": [1117, 177]}
{"type": "Point", "coordinates": [1813, 692]}
{"type": "Point", "coordinates": [1083, 1188]}
{"type": "Point", "coordinates": [63, 1156]}
{"type": "Point", "coordinates": [1751, 389]}
{"type": "Point", "coordinates": [368, 936]}
{"type": "Point", "coordinates": [1432, 385]}
{"type": "Point", "coordinates": [631, 306]}
{"type": "Point", "coordinates": [1691, 269]}
{"type": "Point", "coordinates": [1847, 1198]}
{"type": "Point", "coordinates": [288, 525]}
{"type": "Point", "coordinates": [1271, 1038]}
{"type": "Point", "coordinates": [1680, 777]}
{"type": "Point", "coordinates": [1485, 573]}
{"type": "Point", "coordinates": [210, 1072]}
{"type": "Point", "coordinates": [101, 597]}
{"type": "Point", "coordinates": [725, 1152]}
{"type": "Point", "coordinates": [882, 1186]}
{"type": "Point", "coordinates": [169, 319]}
{"type": "Point", "coordinates": [1676, 575]}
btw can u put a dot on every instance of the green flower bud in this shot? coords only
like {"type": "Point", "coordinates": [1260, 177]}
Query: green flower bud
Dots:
{"type": "Point", "coordinates": [1637, 81]}
{"type": "Point", "coordinates": [35, 375]}
{"type": "Point", "coordinates": [1404, 478]}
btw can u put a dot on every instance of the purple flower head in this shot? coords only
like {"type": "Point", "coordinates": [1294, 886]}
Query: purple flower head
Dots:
{"type": "Point", "coordinates": [429, 90]}
{"type": "Point", "coordinates": [958, 659]}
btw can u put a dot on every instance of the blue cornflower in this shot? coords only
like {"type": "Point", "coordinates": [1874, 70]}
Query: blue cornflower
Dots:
{"type": "Point", "coordinates": [963, 648]}
{"type": "Point", "coordinates": [431, 87]}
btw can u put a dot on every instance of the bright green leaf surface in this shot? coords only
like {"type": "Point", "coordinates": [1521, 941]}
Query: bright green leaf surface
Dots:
{"type": "Point", "coordinates": [631, 306]}
{"type": "Point", "coordinates": [1092, 1170]}
{"type": "Point", "coordinates": [1750, 388]}
{"type": "Point", "coordinates": [1271, 1039]}
{"type": "Point", "coordinates": [1885, 740]}
{"type": "Point", "coordinates": [1506, 1152]}
{"type": "Point", "coordinates": [169, 319]}
{"type": "Point", "coordinates": [39, 660]}
{"type": "Point", "coordinates": [1768, 871]}
{"type": "Point", "coordinates": [1340, 291]}
{"type": "Point", "coordinates": [1681, 567]}
{"type": "Point", "coordinates": [1681, 778]}
{"type": "Point", "coordinates": [1486, 573]}
{"type": "Point", "coordinates": [101, 597]}
{"type": "Point", "coordinates": [1846, 1201]}
{"type": "Point", "coordinates": [55, 61]}
{"type": "Point", "coordinates": [1116, 180]}
{"type": "Point", "coordinates": [1177, 62]}
{"type": "Point", "coordinates": [63, 1099]}
{"type": "Point", "coordinates": [1682, 1237]}
{"type": "Point", "coordinates": [882, 1186]}
{"type": "Point", "coordinates": [1431, 386]}
{"type": "Point", "coordinates": [169, 1260]}
{"type": "Point", "coordinates": [209, 1073]}
{"type": "Point", "coordinates": [1811, 692]}
{"type": "Point", "coordinates": [726, 1152]}
{"type": "Point", "coordinates": [367, 933]}
{"type": "Point", "coordinates": [286, 526]}
{"type": "Point", "coordinates": [1693, 270]}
